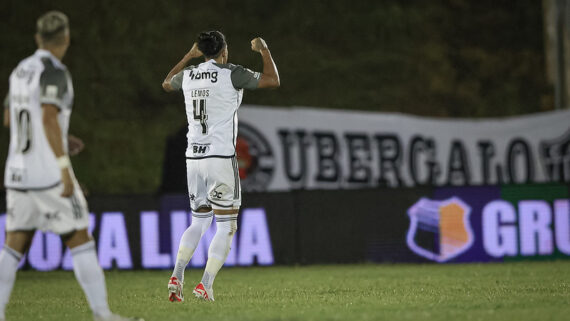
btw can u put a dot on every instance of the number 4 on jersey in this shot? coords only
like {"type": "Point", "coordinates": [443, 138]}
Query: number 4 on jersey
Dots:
{"type": "Point", "coordinates": [200, 105]}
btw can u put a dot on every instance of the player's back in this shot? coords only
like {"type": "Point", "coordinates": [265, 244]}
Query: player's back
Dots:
{"type": "Point", "coordinates": [211, 102]}
{"type": "Point", "coordinates": [38, 79]}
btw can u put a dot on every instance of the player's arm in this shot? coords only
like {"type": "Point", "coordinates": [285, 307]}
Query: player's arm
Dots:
{"type": "Point", "coordinates": [53, 86]}
{"type": "Point", "coordinates": [270, 76]}
{"type": "Point", "coordinates": [55, 139]}
{"type": "Point", "coordinates": [7, 111]}
{"type": "Point", "coordinates": [168, 84]}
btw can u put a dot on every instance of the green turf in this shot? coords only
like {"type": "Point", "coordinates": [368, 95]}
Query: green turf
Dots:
{"type": "Point", "coordinates": [514, 291]}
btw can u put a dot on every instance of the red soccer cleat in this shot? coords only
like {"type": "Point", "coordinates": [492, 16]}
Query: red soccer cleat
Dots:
{"type": "Point", "coordinates": [175, 293]}
{"type": "Point", "coordinates": [202, 293]}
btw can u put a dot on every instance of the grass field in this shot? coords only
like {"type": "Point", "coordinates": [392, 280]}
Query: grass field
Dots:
{"type": "Point", "coordinates": [513, 291]}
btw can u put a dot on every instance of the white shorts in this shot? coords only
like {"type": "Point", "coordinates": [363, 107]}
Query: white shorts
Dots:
{"type": "Point", "coordinates": [213, 182]}
{"type": "Point", "coordinates": [46, 210]}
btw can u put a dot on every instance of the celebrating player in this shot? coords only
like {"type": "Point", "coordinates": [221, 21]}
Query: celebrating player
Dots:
{"type": "Point", "coordinates": [213, 92]}
{"type": "Point", "coordinates": [42, 192]}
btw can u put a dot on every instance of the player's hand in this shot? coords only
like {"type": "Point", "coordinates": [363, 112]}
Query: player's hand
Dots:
{"type": "Point", "coordinates": [258, 44]}
{"type": "Point", "coordinates": [194, 52]}
{"type": "Point", "coordinates": [67, 183]}
{"type": "Point", "coordinates": [75, 145]}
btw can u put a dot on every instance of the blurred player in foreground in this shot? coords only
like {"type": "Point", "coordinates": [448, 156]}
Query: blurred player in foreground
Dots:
{"type": "Point", "coordinates": [213, 92]}
{"type": "Point", "coordinates": [42, 192]}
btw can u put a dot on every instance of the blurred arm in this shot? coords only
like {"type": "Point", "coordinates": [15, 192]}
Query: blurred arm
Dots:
{"type": "Point", "coordinates": [7, 117]}
{"type": "Point", "coordinates": [167, 84]}
{"type": "Point", "coordinates": [270, 76]}
{"type": "Point", "coordinates": [7, 111]}
{"type": "Point", "coordinates": [52, 129]}
{"type": "Point", "coordinates": [53, 134]}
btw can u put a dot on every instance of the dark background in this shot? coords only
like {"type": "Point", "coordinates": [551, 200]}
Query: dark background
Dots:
{"type": "Point", "coordinates": [449, 58]}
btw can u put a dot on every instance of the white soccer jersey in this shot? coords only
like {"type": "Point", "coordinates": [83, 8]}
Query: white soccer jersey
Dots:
{"type": "Point", "coordinates": [213, 94]}
{"type": "Point", "coordinates": [38, 79]}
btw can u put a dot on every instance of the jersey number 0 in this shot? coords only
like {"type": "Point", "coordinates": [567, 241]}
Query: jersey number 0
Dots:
{"type": "Point", "coordinates": [23, 120]}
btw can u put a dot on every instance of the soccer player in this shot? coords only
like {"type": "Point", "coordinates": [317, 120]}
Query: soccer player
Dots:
{"type": "Point", "coordinates": [213, 92]}
{"type": "Point", "coordinates": [42, 192]}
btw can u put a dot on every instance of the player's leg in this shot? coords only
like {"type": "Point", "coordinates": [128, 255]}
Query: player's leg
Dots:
{"type": "Point", "coordinates": [17, 243]}
{"type": "Point", "coordinates": [201, 219]}
{"type": "Point", "coordinates": [71, 224]}
{"type": "Point", "coordinates": [21, 223]}
{"type": "Point", "coordinates": [226, 227]}
{"type": "Point", "coordinates": [87, 271]}
{"type": "Point", "coordinates": [225, 197]}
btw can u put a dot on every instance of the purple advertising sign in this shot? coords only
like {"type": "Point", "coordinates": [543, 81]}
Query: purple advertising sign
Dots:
{"type": "Point", "coordinates": [117, 247]}
{"type": "Point", "coordinates": [486, 224]}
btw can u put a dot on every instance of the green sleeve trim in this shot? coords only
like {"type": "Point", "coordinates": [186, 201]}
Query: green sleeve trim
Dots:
{"type": "Point", "coordinates": [176, 81]}
{"type": "Point", "coordinates": [243, 78]}
{"type": "Point", "coordinates": [53, 84]}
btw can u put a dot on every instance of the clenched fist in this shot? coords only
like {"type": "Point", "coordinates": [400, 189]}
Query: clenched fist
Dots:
{"type": "Point", "coordinates": [258, 44]}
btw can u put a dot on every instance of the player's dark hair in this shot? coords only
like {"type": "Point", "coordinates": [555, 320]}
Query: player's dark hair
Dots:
{"type": "Point", "coordinates": [211, 43]}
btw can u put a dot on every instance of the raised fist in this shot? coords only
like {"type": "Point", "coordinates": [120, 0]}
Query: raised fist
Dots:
{"type": "Point", "coordinates": [258, 44]}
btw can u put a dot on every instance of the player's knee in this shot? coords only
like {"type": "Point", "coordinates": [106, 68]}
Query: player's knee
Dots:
{"type": "Point", "coordinates": [76, 238]}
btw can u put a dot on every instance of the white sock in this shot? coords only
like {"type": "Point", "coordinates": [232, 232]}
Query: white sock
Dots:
{"type": "Point", "coordinates": [9, 260]}
{"type": "Point", "coordinates": [189, 241]}
{"type": "Point", "coordinates": [90, 276]}
{"type": "Point", "coordinates": [220, 247]}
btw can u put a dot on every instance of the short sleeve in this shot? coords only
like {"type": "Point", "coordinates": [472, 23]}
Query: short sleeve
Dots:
{"type": "Point", "coordinates": [176, 81]}
{"type": "Point", "coordinates": [53, 86]}
{"type": "Point", "coordinates": [244, 78]}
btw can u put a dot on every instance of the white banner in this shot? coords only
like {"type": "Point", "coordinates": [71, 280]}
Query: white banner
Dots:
{"type": "Point", "coordinates": [304, 148]}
